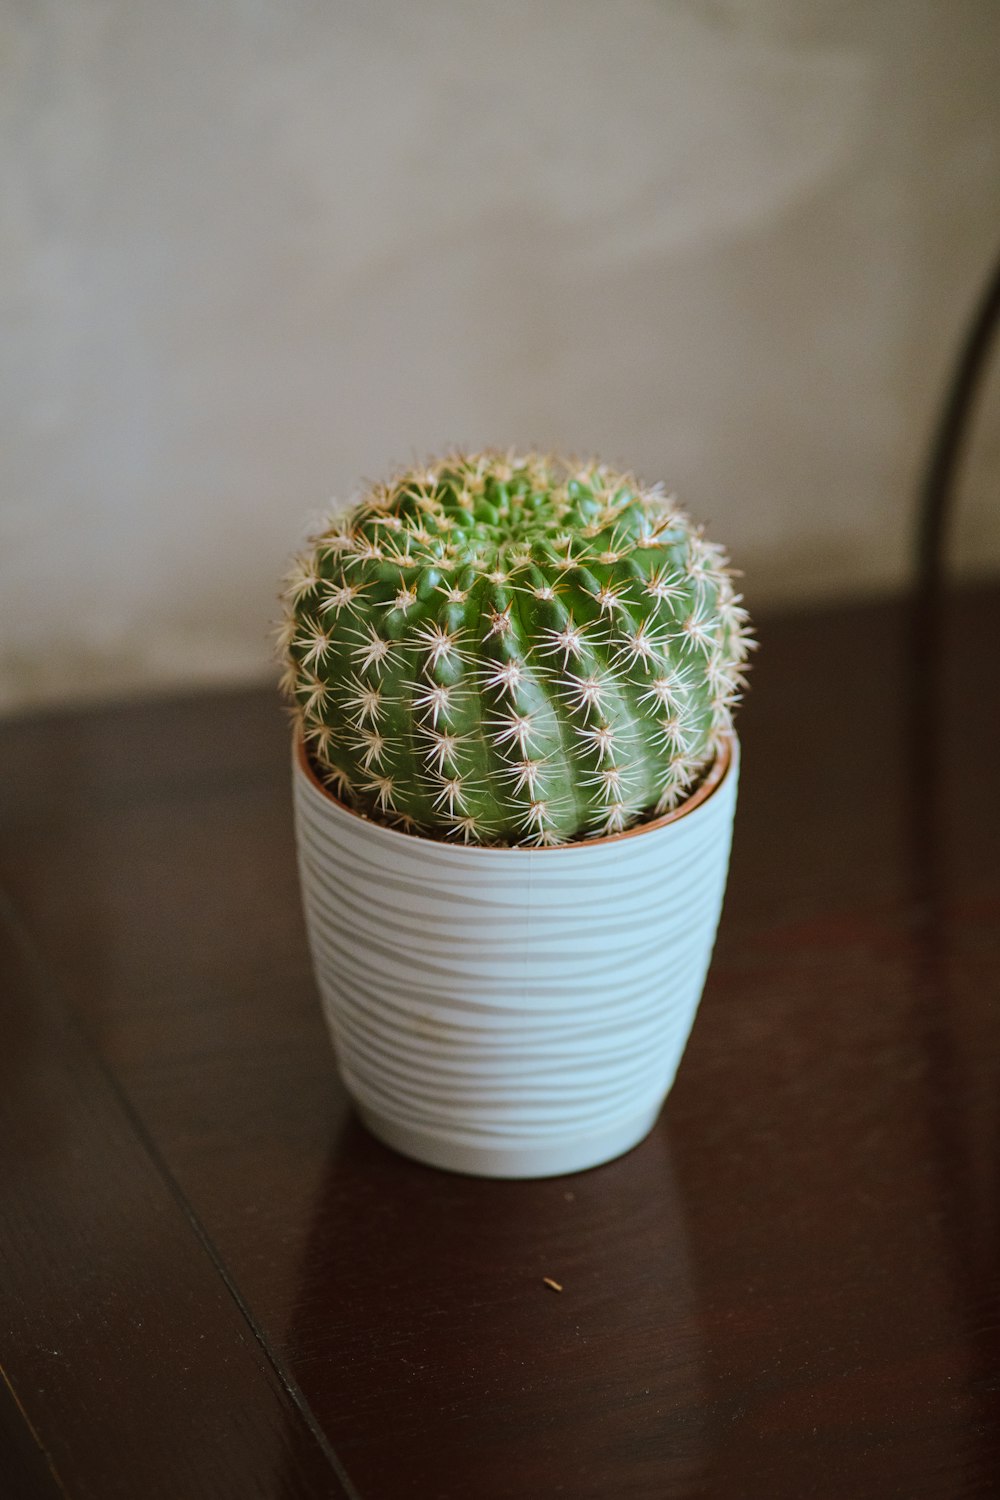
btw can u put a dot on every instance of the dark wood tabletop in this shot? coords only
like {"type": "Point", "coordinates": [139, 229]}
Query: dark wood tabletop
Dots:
{"type": "Point", "coordinates": [214, 1283]}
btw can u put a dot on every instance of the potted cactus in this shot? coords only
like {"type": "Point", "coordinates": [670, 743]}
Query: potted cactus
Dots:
{"type": "Point", "coordinates": [512, 681]}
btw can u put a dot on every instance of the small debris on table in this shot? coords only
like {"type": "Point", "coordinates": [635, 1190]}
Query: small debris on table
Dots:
{"type": "Point", "coordinates": [555, 1285]}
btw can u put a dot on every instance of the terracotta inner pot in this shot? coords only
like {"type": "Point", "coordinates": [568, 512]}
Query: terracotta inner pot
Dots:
{"type": "Point", "coordinates": [701, 794]}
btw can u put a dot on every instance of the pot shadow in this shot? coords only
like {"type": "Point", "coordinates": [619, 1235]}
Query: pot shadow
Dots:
{"type": "Point", "coordinates": [437, 1360]}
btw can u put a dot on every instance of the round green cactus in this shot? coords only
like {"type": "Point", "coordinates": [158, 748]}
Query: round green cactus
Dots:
{"type": "Point", "coordinates": [512, 650]}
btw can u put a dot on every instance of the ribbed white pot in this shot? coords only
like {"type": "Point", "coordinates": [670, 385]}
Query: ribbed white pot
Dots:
{"type": "Point", "coordinates": [512, 1012]}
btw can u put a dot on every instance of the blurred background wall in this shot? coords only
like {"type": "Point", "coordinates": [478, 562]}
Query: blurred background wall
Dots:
{"type": "Point", "coordinates": [255, 251]}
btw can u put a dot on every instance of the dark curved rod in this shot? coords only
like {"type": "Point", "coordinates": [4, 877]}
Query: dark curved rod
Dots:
{"type": "Point", "coordinates": [937, 488]}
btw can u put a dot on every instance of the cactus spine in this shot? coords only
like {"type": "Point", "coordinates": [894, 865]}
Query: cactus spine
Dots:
{"type": "Point", "coordinates": [512, 650]}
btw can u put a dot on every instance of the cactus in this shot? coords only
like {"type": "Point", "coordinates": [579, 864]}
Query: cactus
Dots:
{"type": "Point", "coordinates": [512, 650]}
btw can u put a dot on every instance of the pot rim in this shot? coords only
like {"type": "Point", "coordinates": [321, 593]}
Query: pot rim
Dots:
{"type": "Point", "coordinates": [721, 767]}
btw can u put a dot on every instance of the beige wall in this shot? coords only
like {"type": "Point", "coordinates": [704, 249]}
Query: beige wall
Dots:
{"type": "Point", "coordinates": [255, 250]}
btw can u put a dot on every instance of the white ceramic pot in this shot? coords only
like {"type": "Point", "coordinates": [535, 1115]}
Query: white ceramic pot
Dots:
{"type": "Point", "coordinates": [512, 1012]}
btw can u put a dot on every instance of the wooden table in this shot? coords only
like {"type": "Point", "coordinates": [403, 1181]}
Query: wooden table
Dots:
{"type": "Point", "coordinates": [213, 1283]}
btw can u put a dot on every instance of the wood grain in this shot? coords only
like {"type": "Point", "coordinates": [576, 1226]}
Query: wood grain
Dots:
{"type": "Point", "coordinates": [125, 1355]}
{"type": "Point", "coordinates": [792, 1288]}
